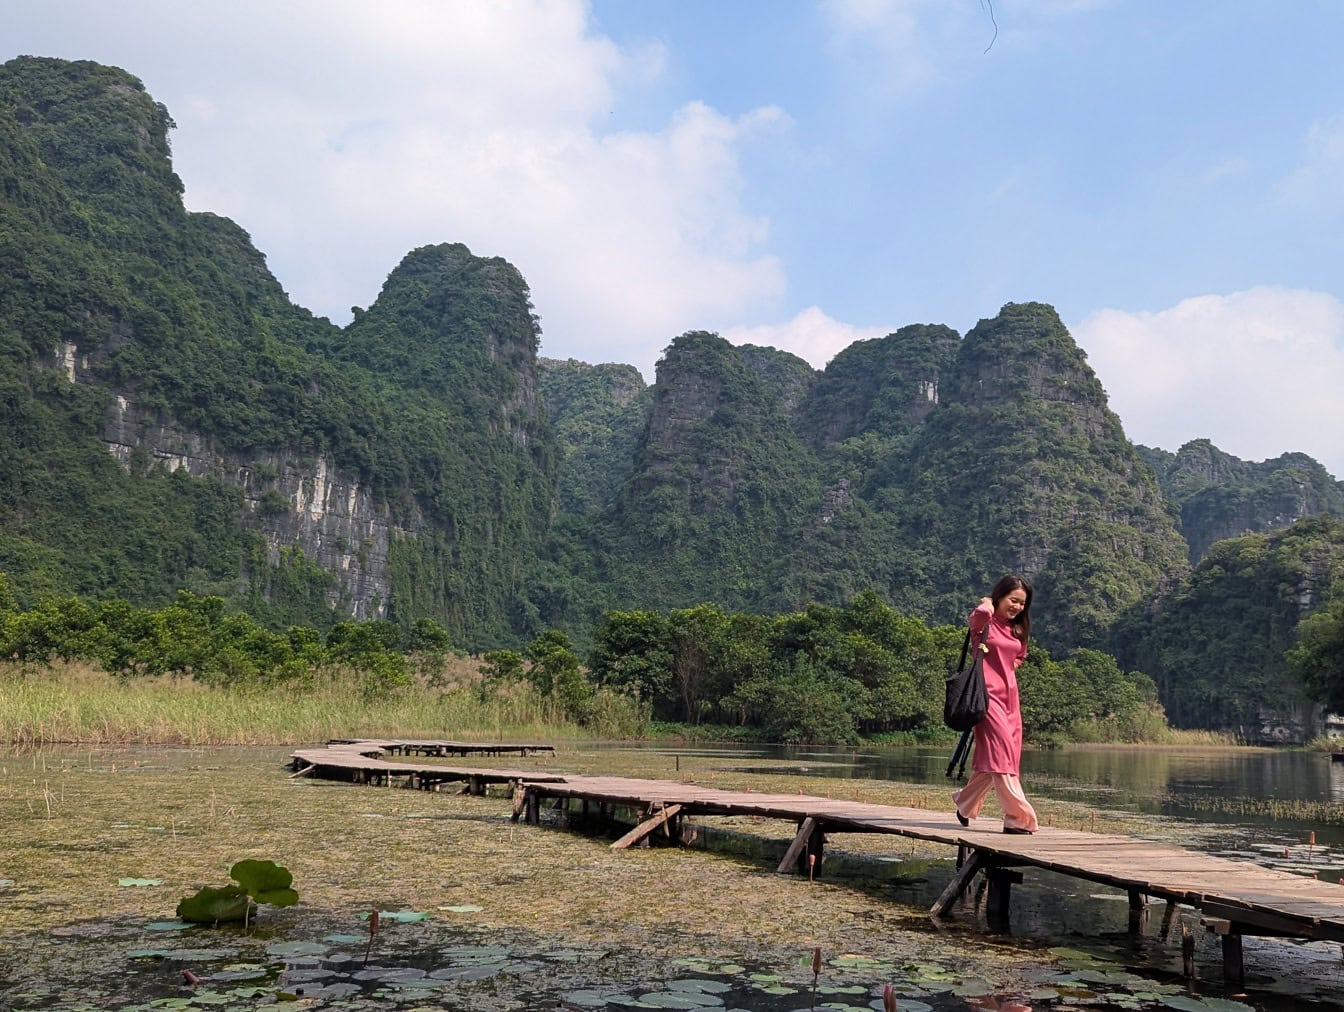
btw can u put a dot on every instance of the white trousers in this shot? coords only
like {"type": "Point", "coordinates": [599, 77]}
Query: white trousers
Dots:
{"type": "Point", "coordinates": [1017, 810]}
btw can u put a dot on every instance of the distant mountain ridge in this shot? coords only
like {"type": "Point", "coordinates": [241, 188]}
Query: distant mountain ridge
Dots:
{"type": "Point", "coordinates": [168, 418]}
{"type": "Point", "coordinates": [1217, 496]}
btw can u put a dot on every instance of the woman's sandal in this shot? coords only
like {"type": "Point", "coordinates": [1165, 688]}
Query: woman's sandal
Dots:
{"type": "Point", "coordinates": [1018, 832]}
{"type": "Point", "coordinates": [965, 822]}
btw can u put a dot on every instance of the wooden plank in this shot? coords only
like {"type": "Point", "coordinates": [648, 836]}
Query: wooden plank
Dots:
{"type": "Point", "coordinates": [795, 850]}
{"type": "Point", "coordinates": [958, 885]}
{"type": "Point", "coordinates": [646, 827]}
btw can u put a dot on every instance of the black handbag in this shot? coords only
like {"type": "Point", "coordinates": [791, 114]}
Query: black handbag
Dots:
{"type": "Point", "coordinates": [965, 701]}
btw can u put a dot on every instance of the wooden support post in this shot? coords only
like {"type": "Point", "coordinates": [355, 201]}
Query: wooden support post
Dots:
{"type": "Point", "coordinates": [533, 816]}
{"type": "Point", "coordinates": [957, 886]}
{"type": "Point", "coordinates": [794, 855]}
{"type": "Point", "coordinates": [303, 772]}
{"type": "Point", "coordinates": [642, 831]}
{"type": "Point", "coordinates": [1138, 906]}
{"type": "Point", "coordinates": [1234, 972]}
{"type": "Point", "coordinates": [1168, 920]}
{"type": "Point", "coordinates": [475, 785]}
{"type": "Point", "coordinates": [1001, 882]}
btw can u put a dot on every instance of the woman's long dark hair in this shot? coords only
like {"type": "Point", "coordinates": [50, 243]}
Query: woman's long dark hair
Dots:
{"type": "Point", "coordinates": [1006, 585]}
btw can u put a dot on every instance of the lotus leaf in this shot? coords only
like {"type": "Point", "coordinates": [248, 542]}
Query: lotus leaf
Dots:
{"type": "Point", "coordinates": [211, 905]}
{"type": "Point", "coordinates": [265, 882]}
{"type": "Point", "coordinates": [1184, 1003]}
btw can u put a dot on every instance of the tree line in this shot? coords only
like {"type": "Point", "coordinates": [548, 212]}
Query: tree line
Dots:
{"type": "Point", "coordinates": [821, 675]}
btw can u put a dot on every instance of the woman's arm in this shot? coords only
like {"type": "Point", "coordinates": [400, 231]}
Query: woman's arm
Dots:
{"type": "Point", "coordinates": [979, 618]}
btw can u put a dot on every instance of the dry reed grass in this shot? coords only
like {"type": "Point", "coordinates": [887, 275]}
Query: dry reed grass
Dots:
{"type": "Point", "coordinates": [79, 703]}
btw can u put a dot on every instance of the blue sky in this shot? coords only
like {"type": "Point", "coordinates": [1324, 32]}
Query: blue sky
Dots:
{"type": "Point", "coordinates": [1168, 175]}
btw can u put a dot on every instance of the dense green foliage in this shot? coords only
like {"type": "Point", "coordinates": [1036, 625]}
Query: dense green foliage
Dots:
{"type": "Point", "coordinates": [720, 481]}
{"type": "Point", "coordinates": [597, 413]}
{"type": "Point", "coordinates": [1217, 645]}
{"type": "Point", "coordinates": [1318, 658]}
{"type": "Point", "coordinates": [829, 674]}
{"type": "Point", "coordinates": [201, 637]}
{"type": "Point", "coordinates": [1215, 495]}
{"type": "Point", "coordinates": [825, 674]}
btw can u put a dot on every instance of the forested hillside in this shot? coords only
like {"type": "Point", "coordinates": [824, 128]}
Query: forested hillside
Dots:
{"type": "Point", "coordinates": [1217, 647]}
{"type": "Point", "coordinates": [1214, 495]}
{"type": "Point", "coordinates": [170, 420]}
{"type": "Point", "coordinates": [400, 467]}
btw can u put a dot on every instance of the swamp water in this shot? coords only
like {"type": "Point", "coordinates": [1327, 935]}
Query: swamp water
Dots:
{"type": "Point", "coordinates": [480, 913]}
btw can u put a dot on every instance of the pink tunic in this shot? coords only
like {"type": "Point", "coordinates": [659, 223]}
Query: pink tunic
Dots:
{"type": "Point", "coordinates": [998, 738]}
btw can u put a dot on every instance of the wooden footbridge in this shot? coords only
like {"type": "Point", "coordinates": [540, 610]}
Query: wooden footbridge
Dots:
{"type": "Point", "coordinates": [361, 761]}
{"type": "Point", "coordinates": [1236, 898]}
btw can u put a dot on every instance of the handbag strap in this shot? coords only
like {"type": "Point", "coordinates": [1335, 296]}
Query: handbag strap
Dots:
{"type": "Point", "coordinates": [966, 644]}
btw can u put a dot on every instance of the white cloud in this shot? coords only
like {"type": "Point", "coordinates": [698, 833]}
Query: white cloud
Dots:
{"type": "Point", "coordinates": [343, 134]}
{"type": "Point", "coordinates": [1315, 184]}
{"type": "Point", "coordinates": [811, 335]}
{"type": "Point", "coordinates": [1258, 372]}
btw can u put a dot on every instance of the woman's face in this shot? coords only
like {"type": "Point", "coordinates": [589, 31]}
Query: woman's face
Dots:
{"type": "Point", "coordinates": [1011, 604]}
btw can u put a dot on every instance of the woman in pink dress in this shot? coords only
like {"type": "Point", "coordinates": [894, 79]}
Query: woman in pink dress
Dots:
{"type": "Point", "coordinates": [998, 737]}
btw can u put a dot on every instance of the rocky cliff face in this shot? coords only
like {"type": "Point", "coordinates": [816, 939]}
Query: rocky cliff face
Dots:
{"type": "Point", "coordinates": [886, 386]}
{"type": "Point", "coordinates": [293, 502]}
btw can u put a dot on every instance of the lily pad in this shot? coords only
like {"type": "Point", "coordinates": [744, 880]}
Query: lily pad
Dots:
{"type": "Point", "coordinates": [296, 949]}
{"type": "Point", "coordinates": [399, 916]}
{"type": "Point", "coordinates": [681, 1000]}
{"type": "Point", "coordinates": [699, 986]}
{"type": "Point", "coordinates": [168, 926]}
{"type": "Point", "coordinates": [213, 905]}
{"type": "Point", "coordinates": [589, 998]}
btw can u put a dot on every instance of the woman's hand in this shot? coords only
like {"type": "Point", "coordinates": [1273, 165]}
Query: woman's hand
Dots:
{"type": "Point", "coordinates": [986, 603]}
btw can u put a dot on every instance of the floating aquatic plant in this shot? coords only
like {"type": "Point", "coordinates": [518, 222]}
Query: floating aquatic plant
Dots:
{"type": "Point", "coordinates": [258, 882]}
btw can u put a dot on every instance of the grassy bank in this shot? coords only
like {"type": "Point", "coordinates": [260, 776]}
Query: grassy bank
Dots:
{"type": "Point", "coordinates": [74, 702]}
{"type": "Point", "coordinates": [77, 703]}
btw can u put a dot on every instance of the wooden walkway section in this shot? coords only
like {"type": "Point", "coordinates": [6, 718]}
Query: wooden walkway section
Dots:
{"type": "Point", "coordinates": [360, 761]}
{"type": "Point", "coordinates": [1236, 898]}
{"type": "Point", "coordinates": [402, 746]}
